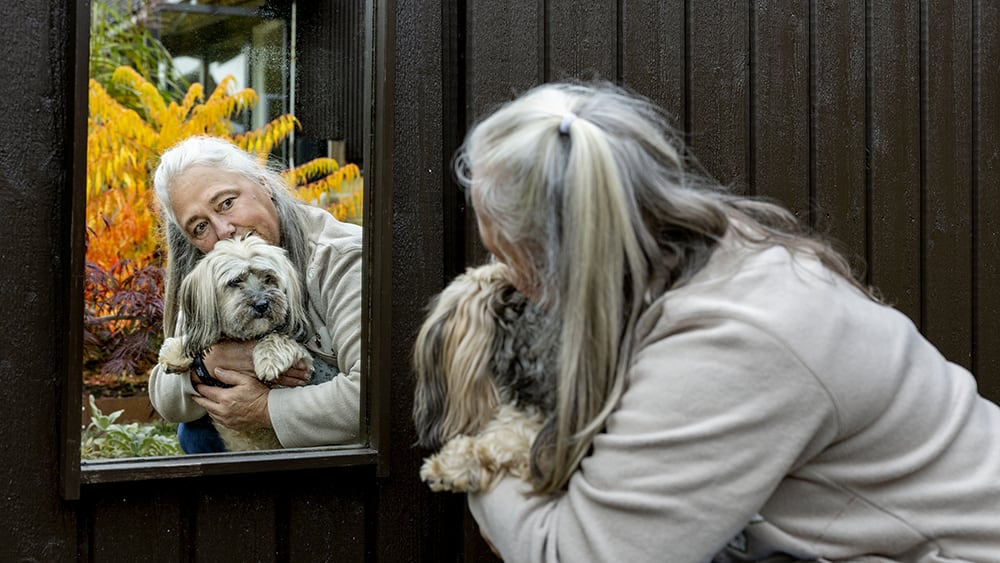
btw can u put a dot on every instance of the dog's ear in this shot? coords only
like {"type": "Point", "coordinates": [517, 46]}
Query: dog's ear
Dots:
{"type": "Point", "coordinates": [455, 392]}
{"type": "Point", "coordinates": [512, 345]}
{"type": "Point", "coordinates": [200, 307]}
{"type": "Point", "coordinates": [298, 327]}
{"type": "Point", "coordinates": [429, 395]}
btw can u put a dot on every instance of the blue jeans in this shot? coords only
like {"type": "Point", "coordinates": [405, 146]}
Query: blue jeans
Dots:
{"type": "Point", "coordinates": [199, 437]}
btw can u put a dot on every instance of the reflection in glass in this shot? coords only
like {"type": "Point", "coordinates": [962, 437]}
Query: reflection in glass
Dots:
{"type": "Point", "coordinates": [246, 40]}
{"type": "Point", "coordinates": [240, 54]}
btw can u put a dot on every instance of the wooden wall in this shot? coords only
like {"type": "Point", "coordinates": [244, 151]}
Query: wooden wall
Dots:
{"type": "Point", "coordinates": [875, 121]}
{"type": "Point", "coordinates": [330, 74]}
{"type": "Point", "coordinates": [36, 221]}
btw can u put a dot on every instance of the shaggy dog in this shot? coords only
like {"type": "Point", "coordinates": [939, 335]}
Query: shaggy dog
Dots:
{"type": "Point", "coordinates": [482, 393]}
{"type": "Point", "coordinates": [244, 289]}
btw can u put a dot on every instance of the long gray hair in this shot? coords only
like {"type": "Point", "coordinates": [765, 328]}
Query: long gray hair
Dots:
{"type": "Point", "coordinates": [588, 184]}
{"type": "Point", "coordinates": [221, 154]}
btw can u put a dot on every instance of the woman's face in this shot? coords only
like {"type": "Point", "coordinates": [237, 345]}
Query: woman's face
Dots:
{"type": "Point", "coordinates": [515, 258]}
{"type": "Point", "coordinates": [212, 204]}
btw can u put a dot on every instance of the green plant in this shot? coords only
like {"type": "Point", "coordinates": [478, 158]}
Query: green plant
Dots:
{"type": "Point", "coordinates": [122, 37]}
{"type": "Point", "coordinates": [104, 438]}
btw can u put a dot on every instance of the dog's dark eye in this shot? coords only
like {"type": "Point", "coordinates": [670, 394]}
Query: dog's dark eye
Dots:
{"type": "Point", "coordinates": [269, 279]}
{"type": "Point", "coordinates": [235, 282]}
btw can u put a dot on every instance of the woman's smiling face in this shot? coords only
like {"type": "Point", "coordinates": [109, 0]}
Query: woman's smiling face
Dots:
{"type": "Point", "coordinates": [211, 204]}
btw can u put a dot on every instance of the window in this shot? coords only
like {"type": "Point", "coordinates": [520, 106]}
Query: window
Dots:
{"type": "Point", "coordinates": [254, 42]}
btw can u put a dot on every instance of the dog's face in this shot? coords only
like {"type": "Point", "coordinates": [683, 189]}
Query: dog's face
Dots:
{"type": "Point", "coordinates": [474, 350]}
{"type": "Point", "coordinates": [241, 290]}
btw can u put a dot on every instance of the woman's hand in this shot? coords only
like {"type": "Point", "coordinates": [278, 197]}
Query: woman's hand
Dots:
{"type": "Point", "coordinates": [238, 356]}
{"type": "Point", "coordinates": [295, 376]}
{"type": "Point", "coordinates": [241, 407]}
{"type": "Point", "coordinates": [232, 356]}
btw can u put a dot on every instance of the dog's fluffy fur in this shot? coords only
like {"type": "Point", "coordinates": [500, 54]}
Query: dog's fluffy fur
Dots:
{"type": "Point", "coordinates": [244, 289]}
{"type": "Point", "coordinates": [483, 391]}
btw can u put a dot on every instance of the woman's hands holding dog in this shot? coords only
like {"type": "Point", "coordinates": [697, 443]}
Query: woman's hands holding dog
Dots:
{"type": "Point", "coordinates": [238, 356]}
{"type": "Point", "coordinates": [243, 405]}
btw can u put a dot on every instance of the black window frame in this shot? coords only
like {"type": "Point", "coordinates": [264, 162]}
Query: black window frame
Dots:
{"type": "Point", "coordinates": [376, 292]}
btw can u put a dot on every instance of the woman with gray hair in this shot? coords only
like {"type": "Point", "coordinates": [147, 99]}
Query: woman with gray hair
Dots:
{"type": "Point", "coordinates": [726, 389]}
{"type": "Point", "coordinates": [208, 190]}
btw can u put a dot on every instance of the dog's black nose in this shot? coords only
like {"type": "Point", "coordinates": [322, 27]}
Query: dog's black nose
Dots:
{"type": "Point", "coordinates": [261, 306]}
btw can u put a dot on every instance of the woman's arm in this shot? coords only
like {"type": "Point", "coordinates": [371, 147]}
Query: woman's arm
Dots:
{"type": "Point", "coordinates": [713, 418]}
{"type": "Point", "coordinates": [328, 413]}
{"type": "Point", "coordinates": [170, 394]}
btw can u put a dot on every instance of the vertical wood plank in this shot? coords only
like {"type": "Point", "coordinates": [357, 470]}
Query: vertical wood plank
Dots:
{"type": "Point", "coordinates": [453, 127]}
{"type": "Point", "coordinates": [947, 155]}
{"type": "Point", "coordinates": [780, 103]}
{"type": "Point", "coordinates": [410, 522]}
{"type": "Point", "coordinates": [894, 152]}
{"type": "Point", "coordinates": [581, 40]}
{"type": "Point", "coordinates": [234, 523]}
{"type": "Point", "coordinates": [129, 524]}
{"type": "Point", "coordinates": [986, 173]}
{"type": "Point", "coordinates": [324, 519]}
{"type": "Point", "coordinates": [504, 52]}
{"type": "Point", "coordinates": [330, 73]}
{"type": "Point", "coordinates": [653, 53]}
{"type": "Point", "coordinates": [838, 131]}
{"type": "Point", "coordinates": [719, 82]}
{"type": "Point", "coordinates": [41, 259]}
{"type": "Point", "coordinates": [505, 56]}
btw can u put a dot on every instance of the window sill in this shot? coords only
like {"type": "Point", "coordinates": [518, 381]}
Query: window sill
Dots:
{"type": "Point", "coordinates": [203, 465]}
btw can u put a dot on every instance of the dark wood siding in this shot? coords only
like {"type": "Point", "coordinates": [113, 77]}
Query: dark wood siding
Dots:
{"type": "Point", "coordinates": [986, 203]}
{"type": "Point", "coordinates": [893, 146]}
{"type": "Point", "coordinates": [872, 121]}
{"type": "Point", "coordinates": [877, 122]}
{"type": "Point", "coordinates": [330, 73]}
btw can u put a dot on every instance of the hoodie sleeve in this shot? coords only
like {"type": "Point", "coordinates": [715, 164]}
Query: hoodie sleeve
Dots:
{"type": "Point", "coordinates": [328, 413]}
{"type": "Point", "coordinates": [714, 416]}
{"type": "Point", "coordinates": [170, 394]}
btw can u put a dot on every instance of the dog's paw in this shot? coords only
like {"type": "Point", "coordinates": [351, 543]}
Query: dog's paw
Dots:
{"type": "Point", "coordinates": [275, 353]}
{"type": "Point", "coordinates": [172, 355]}
{"type": "Point", "coordinates": [307, 359]}
{"type": "Point", "coordinates": [456, 468]}
{"type": "Point", "coordinates": [268, 369]}
{"type": "Point", "coordinates": [477, 463]}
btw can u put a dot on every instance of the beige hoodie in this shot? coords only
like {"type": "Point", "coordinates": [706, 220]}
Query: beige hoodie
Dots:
{"type": "Point", "coordinates": [314, 415]}
{"type": "Point", "coordinates": [773, 412]}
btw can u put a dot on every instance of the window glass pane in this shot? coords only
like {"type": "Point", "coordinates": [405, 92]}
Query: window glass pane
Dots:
{"type": "Point", "coordinates": [247, 40]}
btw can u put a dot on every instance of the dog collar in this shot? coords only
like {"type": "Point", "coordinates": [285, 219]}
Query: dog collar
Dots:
{"type": "Point", "coordinates": [198, 365]}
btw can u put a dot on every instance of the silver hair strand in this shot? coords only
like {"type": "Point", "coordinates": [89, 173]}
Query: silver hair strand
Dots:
{"type": "Point", "coordinates": [622, 206]}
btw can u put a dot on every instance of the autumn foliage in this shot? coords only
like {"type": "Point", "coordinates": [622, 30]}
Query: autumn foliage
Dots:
{"type": "Point", "coordinates": [124, 251]}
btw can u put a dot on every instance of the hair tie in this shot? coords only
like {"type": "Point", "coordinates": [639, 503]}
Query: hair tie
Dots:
{"type": "Point", "coordinates": [569, 118]}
